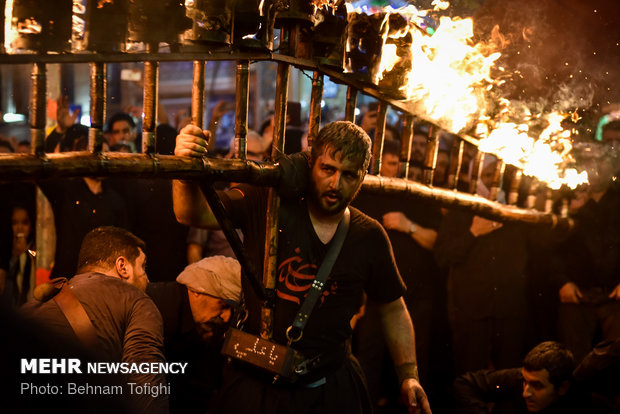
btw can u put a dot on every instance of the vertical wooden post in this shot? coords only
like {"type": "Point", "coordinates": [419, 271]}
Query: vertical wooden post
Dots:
{"type": "Point", "coordinates": [498, 176]}
{"type": "Point", "coordinates": [377, 147]}
{"type": "Point", "coordinates": [273, 203]}
{"type": "Point", "coordinates": [38, 97]}
{"type": "Point", "coordinates": [242, 98]}
{"type": "Point", "coordinates": [45, 230]}
{"type": "Point", "coordinates": [406, 142]}
{"type": "Point", "coordinates": [351, 104]}
{"type": "Point", "coordinates": [456, 163]}
{"type": "Point", "coordinates": [513, 193]}
{"type": "Point", "coordinates": [431, 156]}
{"type": "Point", "coordinates": [149, 124]}
{"type": "Point", "coordinates": [548, 206]}
{"type": "Point", "coordinates": [98, 85]}
{"type": "Point", "coordinates": [476, 169]}
{"type": "Point", "coordinates": [531, 195]}
{"type": "Point", "coordinates": [314, 124]}
{"type": "Point", "coordinates": [198, 93]}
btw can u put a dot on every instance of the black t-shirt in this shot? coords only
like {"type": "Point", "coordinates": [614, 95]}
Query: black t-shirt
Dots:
{"type": "Point", "coordinates": [76, 212]}
{"type": "Point", "coordinates": [365, 264]}
{"type": "Point", "coordinates": [487, 274]}
{"type": "Point", "coordinates": [592, 252]}
{"type": "Point", "coordinates": [416, 264]}
{"type": "Point", "coordinates": [151, 217]}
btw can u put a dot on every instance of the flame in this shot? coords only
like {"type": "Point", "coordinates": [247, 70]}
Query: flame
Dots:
{"type": "Point", "coordinates": [447, 74]}
{"type": "Point", "coordinates": [440, 5]}
{"type": "Point", "coordinates": [450, 79]}
{"type": "Point", "coordinates": [389, 58]}
{"type": "Point", "coordinates": [13, 28]}
{"type": "Point", "coordinates": [9, 35]}
{"type": "Point", "coordinates": [546, 157]}
{"type": "Point", "coordinates": [78, 22]}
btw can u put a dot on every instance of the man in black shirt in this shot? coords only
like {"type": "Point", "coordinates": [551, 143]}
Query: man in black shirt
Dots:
{"type": "Point", "coordinates": [339, 159]}
{"type": "Point", "coordinates": [590, 290]}
{"type": "Point", "coordinates": [80, 205]}
{"type": "Point", "coordinates": [542, 385]}
{"type": "Point", "coordinates": [412, 229]}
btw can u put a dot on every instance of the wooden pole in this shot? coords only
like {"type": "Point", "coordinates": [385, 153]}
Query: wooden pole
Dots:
{"type": "Point", "coordinates": [149, 124]}
{"type": "Point", "coordinates": [97, 106]}
{"type": "Point", "coordinates": [314, 124]}
{"type": "Point", "coordinates": [242, 98]}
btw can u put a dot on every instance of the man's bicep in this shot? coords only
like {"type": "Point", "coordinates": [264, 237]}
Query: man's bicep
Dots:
{"type": "Point", "coordinates": [143, 342]}
{"type": "Point", "coordinates": [190, 206]}
{"type": "Point", "coordinates": [394, 306]}
{"type": "Point", "coordinates": [143, 339]}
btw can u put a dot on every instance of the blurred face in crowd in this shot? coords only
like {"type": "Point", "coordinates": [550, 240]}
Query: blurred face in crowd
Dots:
{"type": "Point", "coordinates": [389, 165]}
{"type": "Point", "coordinates": [254, 147]}
{"type": "Point", "coordinates": [20, 223]}
{"type": "Point", "coordinates": [538, 391]}
{"type": "Point", "coordinates": [369, 120]}
{"type": "Point", "coordinates": [418, 148]}
{"type": "Point", "coordinates": [415, 173]}
{"type": "Point", "coordinates": [388, 135]}
{"type": "Point", "coordinates": [23, 148]}
{"type": "Point", "coordinates": [335, 182]}
{"type": "Point", "coordinates": [122, 132]}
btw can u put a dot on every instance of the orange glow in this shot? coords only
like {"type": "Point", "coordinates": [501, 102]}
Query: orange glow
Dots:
{"type": "Point", "coordinates": [547, 158]}
{"type": "Point", "coordinates": [451, 79]}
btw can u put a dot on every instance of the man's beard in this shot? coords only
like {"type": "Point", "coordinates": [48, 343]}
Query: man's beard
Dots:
{"type": "Point", "coordinates": [417, 156]}
{"type": "Point", "coordinates": [320, 204]}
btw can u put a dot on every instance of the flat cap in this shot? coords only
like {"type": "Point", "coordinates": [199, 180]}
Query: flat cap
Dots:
{"type": "Point", "coordinates": [218, 276]}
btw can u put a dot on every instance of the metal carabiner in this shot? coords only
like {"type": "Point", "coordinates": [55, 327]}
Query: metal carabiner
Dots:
{"type": "Point", "coordinates": [288, 335]}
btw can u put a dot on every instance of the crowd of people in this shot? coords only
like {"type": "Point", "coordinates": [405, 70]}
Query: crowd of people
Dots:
{"type": "Point", "coordinates": [424, 309]}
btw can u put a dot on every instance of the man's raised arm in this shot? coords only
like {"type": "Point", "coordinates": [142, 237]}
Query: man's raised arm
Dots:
{"type": "Point", "coordinates": [190, 206]}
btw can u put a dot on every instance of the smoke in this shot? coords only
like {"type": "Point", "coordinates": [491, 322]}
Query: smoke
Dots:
{"type": "Point", "coordinates": [570, 96]}
{"type": "Point", "coordinates": [556, 56]}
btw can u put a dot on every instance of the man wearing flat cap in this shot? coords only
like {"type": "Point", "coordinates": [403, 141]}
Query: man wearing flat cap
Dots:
{"type": "Point", "coordinates": [197, 310]}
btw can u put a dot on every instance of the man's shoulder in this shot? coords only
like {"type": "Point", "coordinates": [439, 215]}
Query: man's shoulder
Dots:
{"type": "Point", "coordinates": [94, 278]}
{"type": "Point", "coordinates": [246, 190]}
{"type": "Point", "coordinates": [107, 295]}
{"type": "Point", "coordinates": [246, 197]}
{"type": "Point", "coordinates": [100, 287]}
{"type": "Point", "coordinates": [363, 222]}
{"type": "Point", "coordinates": [366, 232]}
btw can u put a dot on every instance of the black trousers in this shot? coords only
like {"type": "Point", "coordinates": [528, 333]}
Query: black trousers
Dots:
{"type": "Point", "coordinates": [344, 391]}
